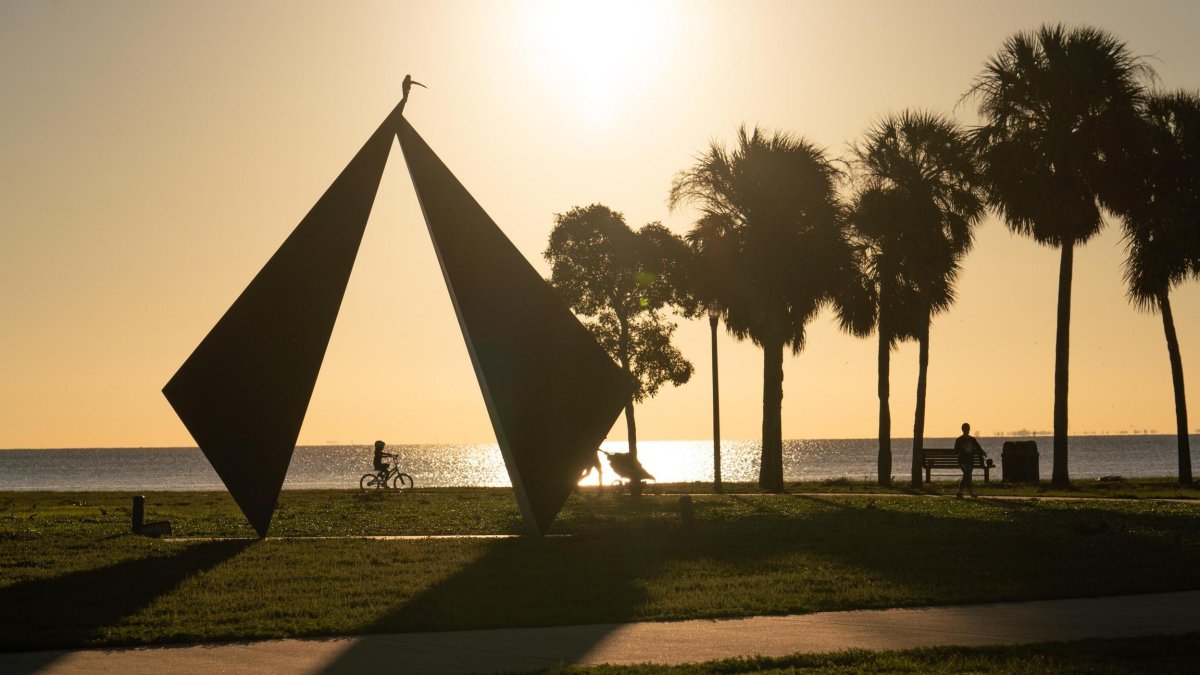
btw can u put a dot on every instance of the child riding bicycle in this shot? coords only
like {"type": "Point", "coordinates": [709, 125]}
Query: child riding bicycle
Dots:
{"type": "Point", "coordinates": [381, 466]}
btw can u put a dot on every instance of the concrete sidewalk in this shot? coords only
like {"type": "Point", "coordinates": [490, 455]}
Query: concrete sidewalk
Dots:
{"type": "Point", "coordinates": [983, 497]}
{"type": "Point", "coordinates": [517, 649]}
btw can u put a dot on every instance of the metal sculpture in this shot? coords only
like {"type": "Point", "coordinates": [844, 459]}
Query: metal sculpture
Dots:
{"type": "Point", "coordinates": [551, 392]}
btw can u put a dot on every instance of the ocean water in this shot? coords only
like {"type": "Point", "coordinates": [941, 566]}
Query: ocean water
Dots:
{"type": "Point", "coordinates": [340, 466]}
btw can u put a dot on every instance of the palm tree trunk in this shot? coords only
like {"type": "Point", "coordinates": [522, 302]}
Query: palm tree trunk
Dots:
{"type": "Point", "coordinates": [919, 417]}
{"type": "Point", "coordinates": [1181, 423]}
{"type": "Point", "coordinates": [1062, 352]}
{"type": "Point", "coordinates": [885, 412]}
{"type": "Point", "coordinates": [770, 476]}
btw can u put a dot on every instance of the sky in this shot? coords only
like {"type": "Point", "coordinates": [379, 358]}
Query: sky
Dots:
{"type": "Point", "coordinates": [154, 155]}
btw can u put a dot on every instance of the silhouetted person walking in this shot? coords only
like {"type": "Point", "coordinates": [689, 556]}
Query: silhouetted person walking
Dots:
{"type": "Point", "coordinates": [966, 446]}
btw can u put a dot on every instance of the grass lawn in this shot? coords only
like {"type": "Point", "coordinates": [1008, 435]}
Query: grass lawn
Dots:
{"type": "Point", "coordinates": [71, 575]}
{"type": "Point", "coordinates": [1150, 655]}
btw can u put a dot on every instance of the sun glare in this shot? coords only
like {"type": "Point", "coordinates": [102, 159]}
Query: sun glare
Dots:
{"type": "Point", "coordinates": [598, 54]}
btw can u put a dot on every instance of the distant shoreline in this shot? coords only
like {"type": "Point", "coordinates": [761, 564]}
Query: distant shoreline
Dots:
{"type": "Point", "coordinates": [895, 439]}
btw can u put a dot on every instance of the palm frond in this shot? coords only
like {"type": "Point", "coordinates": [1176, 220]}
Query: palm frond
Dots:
{"type": "Point", "coordinates": [1060, 109]}
{"type": "Point", "coordinates": [1162, 219]}
{"type": "Point", "coordinates": [771, 244]}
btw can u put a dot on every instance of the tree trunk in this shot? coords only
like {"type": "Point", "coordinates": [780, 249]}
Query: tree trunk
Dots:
{"type": "Point", "coordinates": [1062, 351]}
{"type": "Point", "coordinates": [712, 322]}
{"type": "Point", "coordinates": [919, 417]}
{"type": "Point", "coordinates": [635, 485]}
{"type": "Point", "coordinates": [770, 476]}
{"type": "Point", "coordinates": [1181, 423]}
{"type": "Point", "coordinates": [884, 465]}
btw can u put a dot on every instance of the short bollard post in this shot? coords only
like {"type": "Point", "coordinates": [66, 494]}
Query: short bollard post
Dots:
{"type": "Point", "coordinates": [687, 514]}
{"type": "Point", "coordinates": [139, 513]}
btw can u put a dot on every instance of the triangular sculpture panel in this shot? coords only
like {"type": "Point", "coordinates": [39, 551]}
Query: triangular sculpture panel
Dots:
{"type": "Point", "coordinates": [551, 391]}
{"type": "Point", "coordinates": [243, 393]}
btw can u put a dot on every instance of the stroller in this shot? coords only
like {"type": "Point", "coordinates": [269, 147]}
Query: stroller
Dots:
{"type": "Point", "coordinates": [626, 466]}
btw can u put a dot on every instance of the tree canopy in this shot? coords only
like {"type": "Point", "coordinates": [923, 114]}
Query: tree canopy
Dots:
{"type": "Point", "coordinates": [622, 282]}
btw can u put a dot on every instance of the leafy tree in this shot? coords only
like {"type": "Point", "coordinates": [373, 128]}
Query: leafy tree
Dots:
{"type": "Point", "coordinates": [771, 250]}
{"type": "Point", "coordinates": [916, 207]}
{"type": "Point", "coordinates": [1059, 109]}
{"type": "Point", "coordinates": [622, 281]}
{"type": "Point", "coordinates": [1162, 228]}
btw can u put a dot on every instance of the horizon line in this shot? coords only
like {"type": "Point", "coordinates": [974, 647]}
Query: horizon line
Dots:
{"type": "Point", "coordinates": [368, 444]}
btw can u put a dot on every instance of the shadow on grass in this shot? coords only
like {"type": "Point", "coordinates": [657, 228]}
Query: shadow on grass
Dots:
{"type": "Point", "coordinates": [523, 583]}
{"type": "Point", "coordinates": [630, 561]}
{"type": "Point", "coordinates": [75, 609]}
{"type": "Point", "coordinates": [915, 557]}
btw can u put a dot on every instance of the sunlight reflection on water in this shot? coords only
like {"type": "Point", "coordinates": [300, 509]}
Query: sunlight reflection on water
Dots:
{"type": "Point", "coordinates": [482, 465]}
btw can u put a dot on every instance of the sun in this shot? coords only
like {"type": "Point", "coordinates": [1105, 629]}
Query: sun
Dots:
{"type": "Point", "coordinates": [598, 54]}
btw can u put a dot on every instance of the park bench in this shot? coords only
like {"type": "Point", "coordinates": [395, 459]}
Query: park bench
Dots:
{"type": "Point", "coordinates": [947, 458]}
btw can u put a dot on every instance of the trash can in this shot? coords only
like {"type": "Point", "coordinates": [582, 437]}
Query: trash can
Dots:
{"type": "Point", "coordinates": [1019, 462]}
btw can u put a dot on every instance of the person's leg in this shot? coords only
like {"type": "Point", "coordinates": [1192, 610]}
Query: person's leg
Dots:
{"type": "Point", "coordinates": [967, 480]}
{"type": "Point", "coordinates": [962, 484]}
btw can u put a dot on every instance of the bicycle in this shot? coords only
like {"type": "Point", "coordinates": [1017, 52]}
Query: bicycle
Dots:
{"type": "Point", "coordinates": [391, 477]}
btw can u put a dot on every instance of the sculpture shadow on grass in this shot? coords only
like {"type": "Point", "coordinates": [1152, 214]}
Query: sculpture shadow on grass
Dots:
{"type": "Point", "coordinates": [75, 609]}
{"type": "Point", "coordinates": [900, 556]}
{"type": "Point", "coordinates": [526, 583]}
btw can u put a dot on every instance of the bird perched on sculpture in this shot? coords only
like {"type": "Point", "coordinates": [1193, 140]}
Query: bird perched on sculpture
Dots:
{"type": "Point", "coordinates": [408, 83]}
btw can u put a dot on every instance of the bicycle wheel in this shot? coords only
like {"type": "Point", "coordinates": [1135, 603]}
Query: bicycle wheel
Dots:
{"type": "Point", "coordinates": [402, 481]}
{"type": "Point", "coordinates": [369, 480]}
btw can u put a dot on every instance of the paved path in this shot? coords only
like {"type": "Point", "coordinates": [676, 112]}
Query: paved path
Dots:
{"type": "Point", "coordinates": [516, 649]}
{"type": "Point", "coordinates": [368, 537]}
{"type": "Point", "coordinates": [1022, 498]}
{"type": "Point", "coordinates": [1084, 497]}
{"type": "Point", "coordinates": [873, 495]}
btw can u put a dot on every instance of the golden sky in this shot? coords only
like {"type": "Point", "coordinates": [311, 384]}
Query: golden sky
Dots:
{"type": "Point", "coordinates": [153, 156]}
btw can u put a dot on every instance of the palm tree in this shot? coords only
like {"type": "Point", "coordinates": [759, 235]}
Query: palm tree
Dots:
{"type": "Point", "coordinates": [1162, 229]}
{"type": "Point", "coordinates": [917, 207]}
{"type": "Point", "coordinates": [1059, 109]}
{"type": "Point", "coordinates": [773, 248]}
{"type": "Point", "coordinates": [874, 216]}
